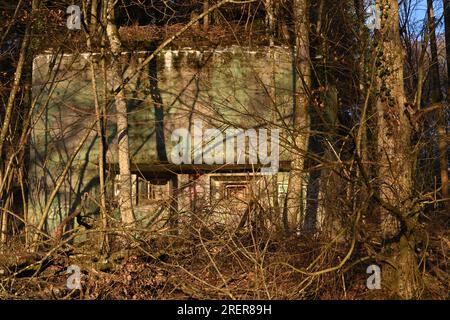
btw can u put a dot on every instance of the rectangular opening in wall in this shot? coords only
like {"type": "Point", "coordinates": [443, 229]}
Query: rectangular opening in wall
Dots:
{"type": "Point", "coordinates": [150, 191]}
{"type": "Point", "coordinates": [144, 191]}
{"type": "Point", "coordinates": [236, 191]}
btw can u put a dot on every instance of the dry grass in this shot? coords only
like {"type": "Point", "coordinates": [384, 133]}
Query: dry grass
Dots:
{"type": "Point", "coordinates": [208, 263]}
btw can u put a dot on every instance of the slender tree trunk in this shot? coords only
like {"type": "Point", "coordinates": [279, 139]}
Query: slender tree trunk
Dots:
{"type": "Point", "coordinates": [3, 226]}
{"type": "Point", "coordinates": [94, 17]}
{"type": "Point", "coordinates": [436, 96]}
{"type": "Point", "coordinates": [15, 88]}
{"type": "Point", "coordinates": [6, 206]}
{"type": "Point", "coordinates": [316, 119]}
{"type": "Point", "coordinates": [15, 106]}
{"type": "Point", "coordinates": [395, 160]}
{"type": "Point", "coordinates": [447, 42]}
{"type": "Point", "coordinates": [158, 111]}
{"type": "Point", "coordinates": [100, 127]}
{"type": "Point", "coordinates": [126, 200]}
{"type": "Point", "coordinates": [271, 12]}
{"type": "Point", "coordinates": [302, 84]}
{"type": "Point", "coordinates": [436, 93]}
{"type": "Point", "coordinates": [173, 209]}
{"type": "Point", "coordinates": [206, 18]}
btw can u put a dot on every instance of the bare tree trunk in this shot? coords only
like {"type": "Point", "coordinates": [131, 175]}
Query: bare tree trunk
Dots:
{"type": "Point", "coordinates": [395, 160]}
{"type": "Point", "coordinates": [15, 106]}
{"type": "Point", "coordinates": [447, 42]}
{"type": "Point", "coordinates": [15, 88]}
{"type": "Point", "coordinates": [316, 117]}
{"type": "Point", "coordinates": [100, 127]}
{"type": "Point", "coordinates": [302, 76]}
{"type": "Point", "coordinates": [436, 96]}
{"type": "Point", "coordinates": [6, 206]}
{"type": "Point", "coordinates": [173, 209]}
{"type": "Point", "coordinates": [94, 17]}
{"type": "Point", "coordinates": [206, 18]}
{"type": "Point", "coordinates": [158, 111]}
{"type": "Point", "coordinates": [443, 160]}
{"type": "Point", "coordinates": [126, 200]}
{"type": "Point", "coordinates": [271, 12]}
{"type": "Point", "coordinates": [3, 227]}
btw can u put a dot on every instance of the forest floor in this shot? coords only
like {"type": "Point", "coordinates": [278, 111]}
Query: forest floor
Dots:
{"type": "Point", "coordinates": [209, 264]}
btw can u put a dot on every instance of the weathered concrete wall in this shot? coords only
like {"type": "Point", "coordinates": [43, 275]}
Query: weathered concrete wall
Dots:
{"type": "Point", "coordinates": [232, 87]}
